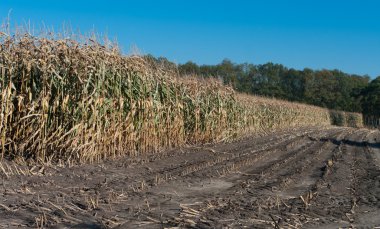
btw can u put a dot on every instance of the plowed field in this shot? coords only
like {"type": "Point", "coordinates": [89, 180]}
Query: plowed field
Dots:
{"type": "Point", "coordinates": [301, 178]}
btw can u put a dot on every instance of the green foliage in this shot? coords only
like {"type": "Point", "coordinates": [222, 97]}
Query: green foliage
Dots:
{"type": "Point", "coordinates": [332, 89]}
{"type": "Point", "coordinates": [371, 102]}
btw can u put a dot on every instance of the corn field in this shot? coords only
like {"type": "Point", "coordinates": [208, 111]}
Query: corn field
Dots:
{"type": "Point", "coordinates": [62, 99]}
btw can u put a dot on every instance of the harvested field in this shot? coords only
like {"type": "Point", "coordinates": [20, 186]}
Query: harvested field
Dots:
{"type": "Point", "coordinates": [315, 177]}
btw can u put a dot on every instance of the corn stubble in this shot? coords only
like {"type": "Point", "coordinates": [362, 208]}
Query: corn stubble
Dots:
{"type": "Point", "coordinates": [67, 100]}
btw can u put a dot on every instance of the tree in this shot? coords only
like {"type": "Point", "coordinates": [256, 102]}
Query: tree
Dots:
{"type": "Point", "coordinates": [189, 68]}
{"type": "Point", "coordinates": [332, 89]}
{"type": "Point", "coordinates": [371, 99]}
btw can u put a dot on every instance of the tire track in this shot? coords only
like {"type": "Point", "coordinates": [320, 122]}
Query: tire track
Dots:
{"type": "Point", "coordinates": [309, 177]}
{"type": "Point", "coordinates": [290, 163]}
{"type": "Point", "coordinates": [337, 164]}
{"type": "Point", "coordinates": [271, 170]}
{"type": "Point", "coordinates": [367, 183]}
{"type": "Point", "coordinates": [339, 183]}
{"type": "Point", "coordinates": [219, 163]}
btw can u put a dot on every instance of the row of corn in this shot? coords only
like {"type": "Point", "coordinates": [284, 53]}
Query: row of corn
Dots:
{"type": "Point", "coordinates": [67, 100]}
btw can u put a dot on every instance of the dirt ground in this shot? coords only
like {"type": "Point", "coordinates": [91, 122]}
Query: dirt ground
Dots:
{"type": "Point", "coordinates": [304, 178]}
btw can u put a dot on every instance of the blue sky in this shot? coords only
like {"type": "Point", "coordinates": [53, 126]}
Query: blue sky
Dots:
{"type": "Point", "coordinates": [333, 34]}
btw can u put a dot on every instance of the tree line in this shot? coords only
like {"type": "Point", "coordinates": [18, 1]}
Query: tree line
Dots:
{"type": "Point", "coordinates": [332, 89]}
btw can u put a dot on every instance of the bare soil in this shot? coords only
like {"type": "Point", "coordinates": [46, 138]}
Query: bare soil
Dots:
{"type": "Point", "coordinates": [301, 178]}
